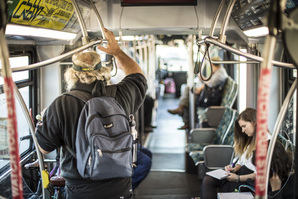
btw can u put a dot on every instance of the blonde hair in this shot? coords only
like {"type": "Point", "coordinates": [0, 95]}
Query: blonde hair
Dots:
{"type": "Point", "coordinates": [89, 60]}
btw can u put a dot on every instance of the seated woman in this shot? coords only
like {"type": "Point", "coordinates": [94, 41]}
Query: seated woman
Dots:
{"type": "Point", "coordinates": [244, 173]}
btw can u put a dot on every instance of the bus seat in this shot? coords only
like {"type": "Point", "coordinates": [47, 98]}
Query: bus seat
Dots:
{"type": "Point", "coordinates": [213, 114]}
{"type": "Point", "coordinates": [217, 156]}
{"type": "Point", "coordinates": [201, 137]}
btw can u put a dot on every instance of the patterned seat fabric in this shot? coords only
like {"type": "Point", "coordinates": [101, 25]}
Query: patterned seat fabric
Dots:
{"type": "Point", "coordinates": [287, 131]}
{"type": "Point", "coordinates": [224, 135]}
{"type": "Point", "coordinates": [229, 96]}
{"type": "Point", "coordinates": [230, 93]}
{"type": "Point", "coordinates": [197, 156]}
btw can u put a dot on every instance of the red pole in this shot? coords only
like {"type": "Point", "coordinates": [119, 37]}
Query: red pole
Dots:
{"type": "Point", "coordinates": [16, 173]}
{"type": "Point", "coordinates": [261, 182]}
{"type": "Point", "coordinates": [262, 131]}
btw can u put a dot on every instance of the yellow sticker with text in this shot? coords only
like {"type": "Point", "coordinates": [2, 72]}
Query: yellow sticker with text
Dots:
{"type": "Point", "coordinates": [53, 14]}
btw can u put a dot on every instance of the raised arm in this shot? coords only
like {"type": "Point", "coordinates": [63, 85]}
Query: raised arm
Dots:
{"type": "Point", "coordinates": [128, 65]}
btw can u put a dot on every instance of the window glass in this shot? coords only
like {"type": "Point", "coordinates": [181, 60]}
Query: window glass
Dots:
{"type": "Point", "coordinates": [174, 56]}
{"type": "Point", "coordinates": [22, 125]}
{"type": "Point", "coordinates": [17, 62]}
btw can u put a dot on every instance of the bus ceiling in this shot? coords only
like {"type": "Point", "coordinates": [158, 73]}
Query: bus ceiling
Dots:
{"type": "Point", "coordinates": [188, 17]}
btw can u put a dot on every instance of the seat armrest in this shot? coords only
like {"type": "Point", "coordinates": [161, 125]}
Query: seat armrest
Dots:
{"type": "Point", "coordinates": [218, 156]}
{"type": "Point", "coordinates": [202, 135]}
{"type": "Point", "coordinates": [214, 115]}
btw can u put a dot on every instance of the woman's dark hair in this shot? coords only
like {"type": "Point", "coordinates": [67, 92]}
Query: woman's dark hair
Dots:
{"type": "Point", "coordinates": [281, 162]}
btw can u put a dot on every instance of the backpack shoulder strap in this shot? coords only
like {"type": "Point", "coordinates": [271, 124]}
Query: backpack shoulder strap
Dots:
{"type": "Point", "coordinates": [111, 91]}
{"type": "Point", "coordinates": [81, 95]}
{"type": "Point", "coordinates": [84, 97]}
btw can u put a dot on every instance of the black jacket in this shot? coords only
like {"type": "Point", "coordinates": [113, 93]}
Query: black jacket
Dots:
{"type": "Point", "coordinates": [60, 120]}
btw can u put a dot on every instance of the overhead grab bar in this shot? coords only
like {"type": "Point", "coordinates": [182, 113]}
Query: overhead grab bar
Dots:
{"type": "Point", "coordinates": [85, 38]}
{"type": "Point", "coordinates": [56, 59]}
{"type": "Point", "coordinates": [235, 62]}
{"type": "Point", "coordinates": [222, 34]}
{"type": "Point", "coordinates": [99, 19]}
{"type": "Point", "coordinates": [247, 55]}
{"type": "Point", "coordinates": [215, 19]}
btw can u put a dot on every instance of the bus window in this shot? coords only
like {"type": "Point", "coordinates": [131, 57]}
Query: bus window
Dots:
{"type": "Point", "coordinates": [23, 128]}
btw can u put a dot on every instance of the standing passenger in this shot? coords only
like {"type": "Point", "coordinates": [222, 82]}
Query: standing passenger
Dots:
{"type": "Point", "coordinates": [244, 171]}
{"type": "Point", "coordinates": [61, 118]}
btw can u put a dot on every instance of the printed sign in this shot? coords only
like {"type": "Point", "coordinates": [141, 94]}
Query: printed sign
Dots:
{"type": "Point", "coordinates": [53, 14]}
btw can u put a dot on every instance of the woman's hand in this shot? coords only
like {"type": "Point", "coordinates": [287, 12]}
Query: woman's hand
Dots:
{"type": "Point", "coordinates": [275, 182]}
{"type": "Point", "coordinates": [229, 168]}
{"type": "Point", "coordinates": [232, 177]}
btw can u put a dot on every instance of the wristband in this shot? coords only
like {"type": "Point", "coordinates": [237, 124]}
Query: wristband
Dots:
{"type": "Point", "coordinates": [238, 178]}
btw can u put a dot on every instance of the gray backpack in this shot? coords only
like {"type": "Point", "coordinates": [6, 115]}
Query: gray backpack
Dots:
{"type": "Point", "coordinates": [104, 141]}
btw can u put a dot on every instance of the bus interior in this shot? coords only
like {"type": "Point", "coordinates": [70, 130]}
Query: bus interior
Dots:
{"type": "Point", "coordinates": [172, 41]}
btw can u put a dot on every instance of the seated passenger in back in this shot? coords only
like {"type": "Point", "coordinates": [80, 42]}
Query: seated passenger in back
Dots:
{"type": "Point", "coordinates": [219, 76]}
{"type": "Point", "coordinates": [282, 175]}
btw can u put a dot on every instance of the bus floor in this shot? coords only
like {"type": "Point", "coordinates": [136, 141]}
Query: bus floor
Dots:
{"type": "Point", "coordinates": [167, 178]}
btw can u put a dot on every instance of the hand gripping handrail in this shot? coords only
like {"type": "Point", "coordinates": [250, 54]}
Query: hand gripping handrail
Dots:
{"type": "Point", "coordinates": [85, 38]}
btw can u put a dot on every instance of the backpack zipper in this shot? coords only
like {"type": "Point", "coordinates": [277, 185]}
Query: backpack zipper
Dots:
{"type": "Point", "coordinates": [100, 152]}
{"type": "Point", "coordinates": [97, 115]}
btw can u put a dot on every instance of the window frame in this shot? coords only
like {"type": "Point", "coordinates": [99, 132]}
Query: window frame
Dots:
{"type": "Point", "coordinates": [32, 83]}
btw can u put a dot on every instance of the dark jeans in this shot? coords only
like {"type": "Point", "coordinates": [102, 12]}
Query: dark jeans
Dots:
{"type": "Point", "coordinates": [143, 167]}
{"type": "Point", "coordinates": [210, 186]}
{"type": "Point", "coordinates": [148, 108]}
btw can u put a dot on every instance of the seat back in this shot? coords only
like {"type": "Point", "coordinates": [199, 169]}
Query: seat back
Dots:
{"type": "Point", "coordinates": [225, 130]}
{"type": "Point", "coordinates": [229, 93]}
{"type": "Point", "coordinates": [214, 153]}
{"type": "Point", "coordinates": [228, 138]}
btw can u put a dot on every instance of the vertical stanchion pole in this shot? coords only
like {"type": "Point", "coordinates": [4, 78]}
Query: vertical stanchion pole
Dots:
{"type": "Point", "coordinates": [98, 19]}
{"type": "Point", "coordinates": [16, 172]}
{"type": "Point", "coordinates": [262, 118]}
{"type": "Point", "coordinates": [261, 182]}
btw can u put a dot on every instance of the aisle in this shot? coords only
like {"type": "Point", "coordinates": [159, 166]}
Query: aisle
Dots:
{"type": "Point", "coordinates": [167, 178]}
{"type": "Point", "coordinates": [166, 142]}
